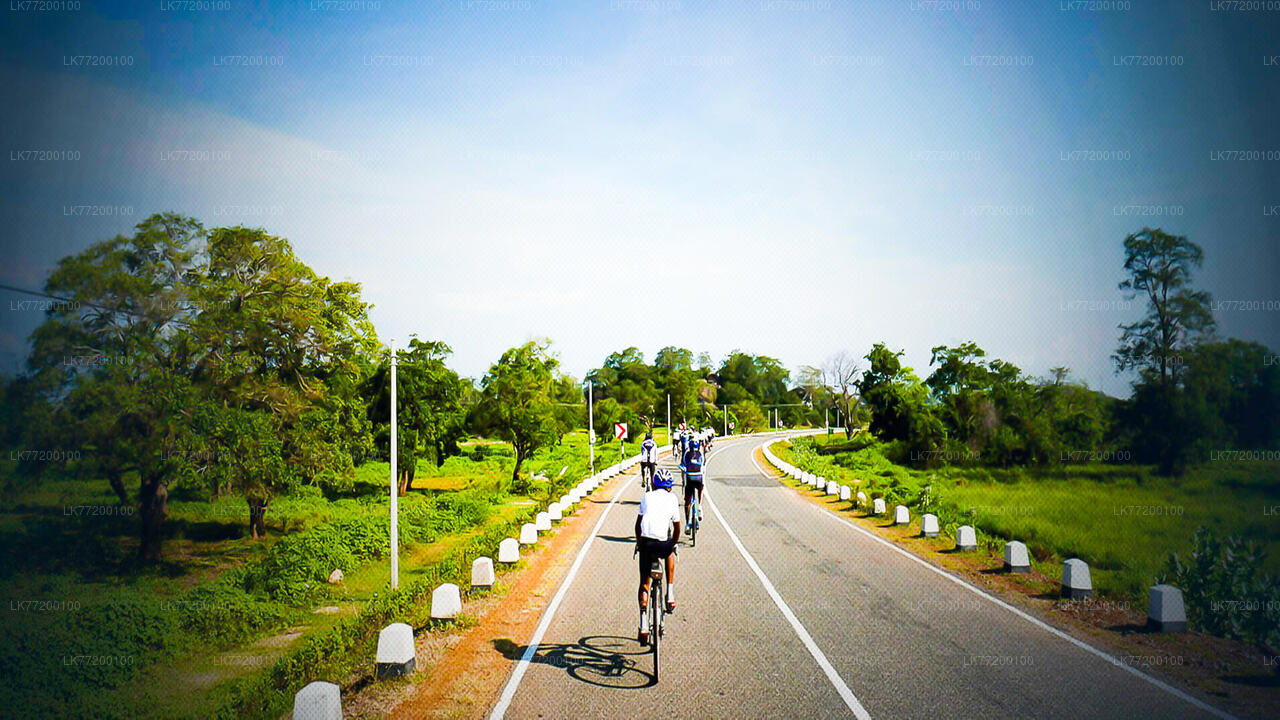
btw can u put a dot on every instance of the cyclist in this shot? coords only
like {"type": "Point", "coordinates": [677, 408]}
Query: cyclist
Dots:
{"type": "Point", "coordinates": [691, 464]}
{"type": "Point", "coordinates": [648, 459]}
{"type": "Point", "coordinates": [657, 531]}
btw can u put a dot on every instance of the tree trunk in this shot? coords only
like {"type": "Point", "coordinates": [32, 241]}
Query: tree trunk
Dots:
{"type": "Point", "coordinates": [258, 518]}
{"type": "Point", "coordinates": [117, 484]}
{"type": "Point", "coordinates": [515, 472]}
{"type": "Point", "coordinates": [153, 508]}
{"type": "Point", "coordinates": [404, 481]}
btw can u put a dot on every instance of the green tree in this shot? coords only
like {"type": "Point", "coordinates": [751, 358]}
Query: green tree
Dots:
{"type": "Point", "coordinates": [516, 401]}
{"type": "Point", "coordinates": [429, 406]}
{"type": "Point", "coordinates": [1165, 419]}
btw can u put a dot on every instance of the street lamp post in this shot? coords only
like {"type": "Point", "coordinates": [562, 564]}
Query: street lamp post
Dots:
{"type": "Point", "coordinates": [395, 526]}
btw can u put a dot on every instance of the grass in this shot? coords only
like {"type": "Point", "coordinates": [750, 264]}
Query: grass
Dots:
{"type": "Point", "coordinates": [88, 559]}
{"type": "Point", "coordinates": [1123, 520]}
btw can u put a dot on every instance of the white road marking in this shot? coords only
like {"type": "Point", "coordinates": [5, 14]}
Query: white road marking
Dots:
{"type": "Point", "coordinates": [845, 693]}
{"type": "Point", "coordinates": [508, 693]}
{"type": "Point", "coordinates": [1033, 620]}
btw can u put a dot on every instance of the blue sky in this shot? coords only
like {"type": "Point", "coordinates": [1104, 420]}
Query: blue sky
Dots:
{"type": "Point", "coordinates": [789, 178]}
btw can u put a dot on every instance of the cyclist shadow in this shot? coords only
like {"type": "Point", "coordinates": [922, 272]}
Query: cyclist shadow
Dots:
{"type": "Point", "coordinates": [606, 661]}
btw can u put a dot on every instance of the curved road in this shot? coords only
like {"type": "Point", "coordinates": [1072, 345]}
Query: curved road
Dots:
{"type": "Point", "coordinates": [787, 611]}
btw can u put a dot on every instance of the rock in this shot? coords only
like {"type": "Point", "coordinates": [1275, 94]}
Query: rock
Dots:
{"type": "Point", "coordinates": [509, 551]}
{"type": "Point", "coordinates": [929, 525]}
{"type": "Point", "coordinates": [528, 534]}
{"type": "Point", "coordinates": [1076, 583]}
{"type": "Point", "coordinates": [396, 652]}
{"type": "Point", "coordinates": [446, 602]}
{"type": "Point", "coordinates": [1166, 612]}
{"type": "Point", "coordinates": [966, 538]}
{"type": "Point", "coordinates": [482, 572]}
{"type": "Point", "coordinates": [901, 515]}
{"type": "Point", "coordinates": [1016, 559]}
{"type": "Point", "coordinates": [318, 701]}
{"type": "Point", "coordinates": [336, 577]}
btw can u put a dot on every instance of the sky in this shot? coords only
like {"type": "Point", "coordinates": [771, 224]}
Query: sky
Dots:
{"type": "Point", "coordinates": [790, 178]}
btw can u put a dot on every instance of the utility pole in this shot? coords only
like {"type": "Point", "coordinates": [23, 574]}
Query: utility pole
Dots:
{"type": "Point", "coordinates": [726, 420]}
{"type": "Point", "coordinates": [395, 485]}
{"type": "Point", "coordinates": [591, 428]}
{"type": "Point", "coordinates": [669, 434]}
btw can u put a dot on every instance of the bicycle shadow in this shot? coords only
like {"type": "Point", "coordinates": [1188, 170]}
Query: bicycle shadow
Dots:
{"type": "Point", "coordinates": [606, 661]}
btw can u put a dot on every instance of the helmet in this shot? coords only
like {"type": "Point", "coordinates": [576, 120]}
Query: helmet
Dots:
{"type": "Point", "coordinates": [648, 435]}
{"type": "Point", "coordinates": [662, 479]}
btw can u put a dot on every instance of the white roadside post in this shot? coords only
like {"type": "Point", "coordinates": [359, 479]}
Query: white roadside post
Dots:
{"type": "Point", "coordinates": [395, 489]}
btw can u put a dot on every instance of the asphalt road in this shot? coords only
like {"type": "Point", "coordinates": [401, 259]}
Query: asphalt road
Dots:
{"type": "Point", "coordinates": [823, 621]}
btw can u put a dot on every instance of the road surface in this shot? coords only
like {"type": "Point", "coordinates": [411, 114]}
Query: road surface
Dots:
{"type": "Point", "coordinates": [787, 611]}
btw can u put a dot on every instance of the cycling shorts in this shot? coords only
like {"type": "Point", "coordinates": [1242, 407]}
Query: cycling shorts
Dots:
{"type": "Point", "coordinates": [651, 550]}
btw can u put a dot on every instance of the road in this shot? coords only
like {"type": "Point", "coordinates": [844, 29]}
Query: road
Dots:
{"type": "Point", "coordinates": [803, 616]}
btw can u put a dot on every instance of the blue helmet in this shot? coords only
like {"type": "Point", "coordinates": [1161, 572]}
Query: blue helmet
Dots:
{"type": "Point", "coordinates": [662, 479]}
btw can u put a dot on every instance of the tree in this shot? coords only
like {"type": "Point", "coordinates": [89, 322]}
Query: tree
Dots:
{"type": "Point", "coordinates": [429, 409]}
{"type": "Point", "coordinates": [1159, 267]}
{"type": "Point", "coordinates": [516, 400]}
{"type": "Point", "coordinates": [184, 331]}
{"type": "Point", "coordinates": [840, 374]}
{"type": "Point", "coordinates": [898, 404]}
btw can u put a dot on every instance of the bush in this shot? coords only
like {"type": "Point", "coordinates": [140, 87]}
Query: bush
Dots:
{"type": "Point", "coordinates": [1225, 591]}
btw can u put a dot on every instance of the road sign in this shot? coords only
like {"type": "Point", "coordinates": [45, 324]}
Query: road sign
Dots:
{"type": "Point", "coordinates": [619, 431]}
{"type": "Point", "coordinates": [731, 425]}
{"type": "Point", "coordinates": [683, 427]}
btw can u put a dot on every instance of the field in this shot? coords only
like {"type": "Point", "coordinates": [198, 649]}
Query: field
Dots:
{"type": "Point", "coordinates": [1123, 520]}
{"type": "Point", "coordinates": [225, 615]}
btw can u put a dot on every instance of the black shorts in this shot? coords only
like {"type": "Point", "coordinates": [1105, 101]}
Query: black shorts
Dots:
{"type": "Point", "coordinates": [692, 484]}
{"type": "Point", "coordinates": [651, 550]}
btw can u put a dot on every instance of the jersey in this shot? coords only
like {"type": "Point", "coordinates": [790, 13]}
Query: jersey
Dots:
{"type": "Point", "coordinates": [659, 511]}
{"type": "Point", "coordinates": [648, 451]}
{"type": "Point", "coordinates": [692, 463]}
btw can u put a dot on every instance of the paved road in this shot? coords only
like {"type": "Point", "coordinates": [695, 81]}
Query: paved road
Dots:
{"type": "Point", "coordinates": [822, 622]}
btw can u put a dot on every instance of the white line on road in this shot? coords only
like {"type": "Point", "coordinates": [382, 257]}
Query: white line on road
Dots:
{"type": "Point", "coordinates": [845, 693]}
{"type": "Point", "coordinates": [499, 710]}
{"type": "Point", "coordinates": [1035, 621]}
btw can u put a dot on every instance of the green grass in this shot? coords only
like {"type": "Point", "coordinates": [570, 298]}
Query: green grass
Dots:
{"type": "Point", "coordinates": [1123, 520]}
{"type": "Point", "coordinates": [255, 588]}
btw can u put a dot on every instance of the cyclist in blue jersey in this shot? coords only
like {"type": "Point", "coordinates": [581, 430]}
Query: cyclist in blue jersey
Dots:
{"type": "Point", "coordinates": [691, 464]}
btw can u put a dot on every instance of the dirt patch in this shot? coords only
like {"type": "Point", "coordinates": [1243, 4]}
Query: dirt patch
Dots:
{"type": "Point", "coordinates": [462, 672]}
{"type": "Point", "coordinates": [1235, 676]}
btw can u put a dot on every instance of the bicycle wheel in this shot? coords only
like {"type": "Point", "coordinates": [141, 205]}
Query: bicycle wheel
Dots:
{"type": "Point", "coordinates": [693, 524]}
{"type": "Point", "coordinates": [655, 619]}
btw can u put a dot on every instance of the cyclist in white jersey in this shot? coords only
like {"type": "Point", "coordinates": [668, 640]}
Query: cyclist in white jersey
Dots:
{"type": "Point", "coordinates": [657, 531]}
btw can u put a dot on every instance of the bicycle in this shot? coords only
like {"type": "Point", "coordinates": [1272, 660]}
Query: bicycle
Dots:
{"type": "Point", "coordinates": [693, 521]}
{"type": "Point", "coordinates": [647, 471]}
{"type": "Point", "coordinates": [657, 609]}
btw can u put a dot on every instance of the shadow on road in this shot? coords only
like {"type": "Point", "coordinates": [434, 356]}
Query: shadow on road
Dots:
{"type": "Point", "coordinates": [606, 661]}
{"type": "Point", "coordinates": [618, 539]}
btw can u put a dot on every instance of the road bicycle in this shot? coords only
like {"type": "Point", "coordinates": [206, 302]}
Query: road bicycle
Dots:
{"type": "Point", "coordinates": [693, 521]}
{"type": "Point", "coordinates": [657, 608]}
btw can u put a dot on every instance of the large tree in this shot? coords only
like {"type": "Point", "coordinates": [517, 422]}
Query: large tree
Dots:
{"type": "Point", "coordinates": [516, 401]}
{"type": "Point", "coordinates": [429, 405]}
{"type": "Point", "coordinates": [1167, 420]}
{"type": "Point", "coordinates": [177, 336]}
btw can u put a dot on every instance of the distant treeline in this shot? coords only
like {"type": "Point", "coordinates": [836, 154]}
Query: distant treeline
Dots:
{"type": "Point", "coordinates": [218, 360]}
